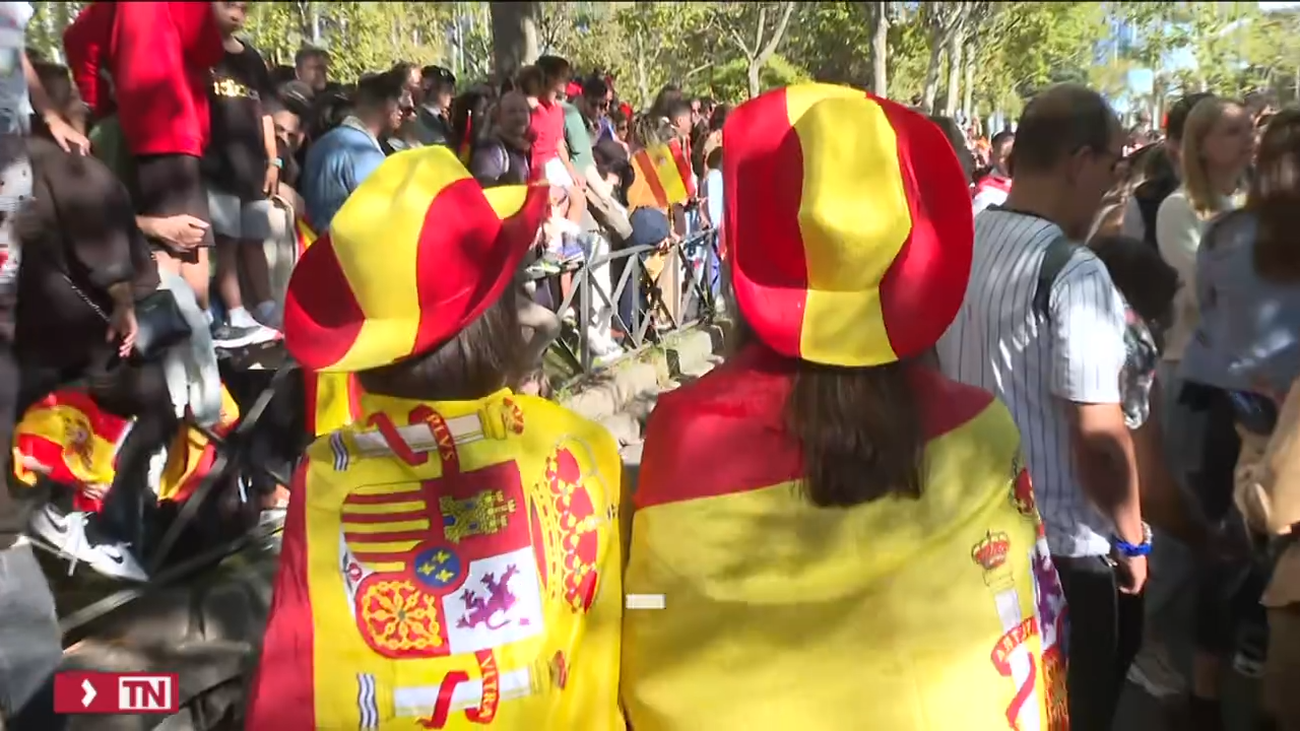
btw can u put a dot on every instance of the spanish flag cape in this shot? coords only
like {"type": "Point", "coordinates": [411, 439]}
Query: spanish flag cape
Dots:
{"type": "Point", "coordinates": [333, 399]}
{"type": "Point", "coordinates": [67, 437]}
{"type": "Point", "coordinates": [901, 614]}
{"type": "Point", "coordinates": [455, 565]}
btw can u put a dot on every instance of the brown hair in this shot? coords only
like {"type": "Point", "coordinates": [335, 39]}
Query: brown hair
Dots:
{"type": "Point", "coordinates": [529, 80]}
{"type": "Point", "coordinates": [482, 358]}
{"type": "Point", "coordinates": [860, 431]}
{"type": "Point", "coordinates": [1274, 198]}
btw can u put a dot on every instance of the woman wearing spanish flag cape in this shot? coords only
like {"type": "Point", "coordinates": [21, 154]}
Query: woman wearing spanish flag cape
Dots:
{"type": "Point", "coordinates": [843, 539]}
{"type": "Point", "coordinates": [452, 560]}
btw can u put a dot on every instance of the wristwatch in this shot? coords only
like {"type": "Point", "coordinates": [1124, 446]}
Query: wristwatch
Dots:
{"type": "Point", "coordinates": [1130, 550]}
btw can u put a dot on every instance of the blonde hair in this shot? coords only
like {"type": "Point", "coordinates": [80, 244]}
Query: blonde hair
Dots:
{"type": "Point", "coordinates": [1205, 201]}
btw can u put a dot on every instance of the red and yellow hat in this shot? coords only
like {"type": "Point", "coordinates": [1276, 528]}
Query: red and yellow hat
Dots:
{"type": "Point", "coordinates": [850, 220]}
{"type": "Point", "coordinates": [418, 252]}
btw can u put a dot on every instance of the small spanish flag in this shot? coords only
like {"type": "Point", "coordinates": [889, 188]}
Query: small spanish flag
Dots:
{"type": "Point", "coordinates": [663, 177]}
{"type": "Point", "coordinates": [70, 439]}
{"type": "Point", "coordinates": [306, 237]}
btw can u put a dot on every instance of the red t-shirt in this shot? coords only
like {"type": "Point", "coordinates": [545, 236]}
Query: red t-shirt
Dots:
{"type": "Point", "coordinates": [547, 127]}
{"type": "Point", "coordinates": [160, 56]}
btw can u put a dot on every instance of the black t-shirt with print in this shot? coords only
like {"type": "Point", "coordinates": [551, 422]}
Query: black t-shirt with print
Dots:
{"type": "Point", "coordinates": [235, 161]}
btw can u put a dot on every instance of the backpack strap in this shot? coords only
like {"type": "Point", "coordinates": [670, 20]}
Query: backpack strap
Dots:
{"type": "Point", "coordinates": [1054, 260]}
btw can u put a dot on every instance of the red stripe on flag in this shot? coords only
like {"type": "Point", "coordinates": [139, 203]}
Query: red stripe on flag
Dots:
{"type": "Point", "coordinates": [386, 537]}
{"type": "Point", "coordinates": [645, 169]}
{"type": "Point", "coordinates": [364, 518]}
{"type": "Point", "coordinates": [388, 498]}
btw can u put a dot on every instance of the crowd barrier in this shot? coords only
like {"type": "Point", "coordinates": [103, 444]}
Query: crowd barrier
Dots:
{"type": "Point", "coordinates": [655, 292]}
{"type": "Point", "coordinates": [652, 293]}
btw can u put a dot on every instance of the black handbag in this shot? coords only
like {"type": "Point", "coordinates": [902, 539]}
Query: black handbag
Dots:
{"type": "Point", "coordinates": [160, 322]}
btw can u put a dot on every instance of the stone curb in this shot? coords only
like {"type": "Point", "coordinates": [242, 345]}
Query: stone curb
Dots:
{"type": "Point", "coordinates": [685, 353]}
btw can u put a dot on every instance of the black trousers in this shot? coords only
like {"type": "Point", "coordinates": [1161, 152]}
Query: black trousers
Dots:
{"type": "Point", "coordinates": [124, 388]}
{"type": "Point", "coordinates": [1228, 588]}
{"type": "Point", "coordinates": [1105, 634]}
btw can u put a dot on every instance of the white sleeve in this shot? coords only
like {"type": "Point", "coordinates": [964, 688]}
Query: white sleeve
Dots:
{"type": "Point", "coordinates": [987, 197]}
{"type": "Point", "coordinates": [1133, 225]}
{"type": "Point", "coordinates": [1178, 236]}
{"type": "Point", "coordinates": [1087, 328]}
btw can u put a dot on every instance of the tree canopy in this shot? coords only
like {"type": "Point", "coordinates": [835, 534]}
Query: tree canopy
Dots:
{"type": "Point", "coordinates": [968, 57]}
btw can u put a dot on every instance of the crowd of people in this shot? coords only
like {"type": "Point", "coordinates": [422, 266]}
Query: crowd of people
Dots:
{"type": "Point", "coordinates": [982, 396]}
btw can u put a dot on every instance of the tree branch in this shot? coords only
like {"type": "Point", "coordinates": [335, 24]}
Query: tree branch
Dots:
{"type": "Point", "coordinates": [777, 34]}
{"type": "Point", "coordinates": [758, 33]}
{"type": "Point", "coordinates": [697, 70]}
{"type": "Point", "coordinates": [740, 42]}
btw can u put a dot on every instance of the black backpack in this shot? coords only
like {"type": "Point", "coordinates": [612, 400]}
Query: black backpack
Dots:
{"type": "Point", "coordinates": [1149, 196]}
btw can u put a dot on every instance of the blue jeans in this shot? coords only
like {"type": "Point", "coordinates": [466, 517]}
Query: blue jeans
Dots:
{"type": "Point", "coordinates": [30, 644]}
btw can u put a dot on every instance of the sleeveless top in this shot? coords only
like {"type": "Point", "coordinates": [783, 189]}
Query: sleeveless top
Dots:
{"type": "Point", "coordinates": [450, 565]}
{"type": "Point", "coordinates": [931, 614]}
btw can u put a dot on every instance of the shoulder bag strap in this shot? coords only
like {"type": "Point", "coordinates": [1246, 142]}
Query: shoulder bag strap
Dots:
{"type": "Point", "coordinates": [1054, 260]}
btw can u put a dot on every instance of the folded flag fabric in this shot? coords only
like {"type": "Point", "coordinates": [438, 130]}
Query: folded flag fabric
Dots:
{"type": "Point", "coordinates": [68, 438]}
{"type": "Point", "coordinates": [663, 177]}
{"type": "Point", "coordinates": [333, 400]}
{"type": "Point", "coordinates": [450, 565]}
{"type": "Point", "coordinates": [306, 237]}
{"type": "Point", "coordinates": [939, 612]}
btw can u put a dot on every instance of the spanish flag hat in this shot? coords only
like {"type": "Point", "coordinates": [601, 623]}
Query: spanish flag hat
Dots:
{"type": "Point", "coordinates": [418, 252]}
{"type": "Point", "coordinates": [851, 225]}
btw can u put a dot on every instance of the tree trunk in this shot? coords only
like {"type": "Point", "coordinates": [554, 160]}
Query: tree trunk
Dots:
{"type": "Point", "coordinates": [930, 91]}
{"type": "Point", "coordinates": [514, 35]}
{"type": "Point", "coordinates": [954, 76]}
{"type": "Point", "coordinates": [968, 88]}
{"type": "Point", "coordinates": [880, 49]}
{"type": "Point", "coordinates": [755, 75]}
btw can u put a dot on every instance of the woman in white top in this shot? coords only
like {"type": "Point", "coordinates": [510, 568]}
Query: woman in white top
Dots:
{"type": "Point", "coordinates": [1218, 144]}
{"type": "Point", "coordinates": [1217, 147]}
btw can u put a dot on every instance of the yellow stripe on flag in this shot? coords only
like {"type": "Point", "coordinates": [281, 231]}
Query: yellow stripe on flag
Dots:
{"type": "Point", "coordinates": [382, 508]}
{"type": "Point", "coordinates": [854, 219]}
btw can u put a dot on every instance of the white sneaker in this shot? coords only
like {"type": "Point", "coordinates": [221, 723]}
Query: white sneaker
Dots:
{"type": "Point", "coordinates": [230, 337]}
{"type": "Point", "coordinates": [602, 345]}
{"type": "Point", "coordinates": [67, 533]}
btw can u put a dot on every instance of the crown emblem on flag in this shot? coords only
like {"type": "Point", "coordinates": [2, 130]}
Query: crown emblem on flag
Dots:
{"type": "Point", "coordinates": [991, 553]}
{"type": "Point", "coordinates": [565, 508]}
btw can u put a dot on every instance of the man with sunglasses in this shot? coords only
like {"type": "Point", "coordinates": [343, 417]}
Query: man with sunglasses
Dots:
{"type": "Point", "coordinates": [594, 103]}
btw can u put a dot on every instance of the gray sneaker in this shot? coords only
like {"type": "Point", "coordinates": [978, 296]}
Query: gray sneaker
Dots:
{"type": "Point", "coordinates": [229, 337]}
{"type": "Point", "coordinates": [1154, 672]}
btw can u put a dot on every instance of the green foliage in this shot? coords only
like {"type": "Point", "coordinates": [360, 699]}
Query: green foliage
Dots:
{"type": "Point", "coordinates": [1013, 49]}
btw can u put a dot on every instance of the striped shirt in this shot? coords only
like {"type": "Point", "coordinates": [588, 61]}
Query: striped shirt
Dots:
{"type": "Point", "coordinates": [998, 343]}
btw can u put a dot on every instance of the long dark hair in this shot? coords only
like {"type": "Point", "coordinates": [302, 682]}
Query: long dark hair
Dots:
{"type": "Point", "coordinates": [1274, 198]}
{"type": "Point", "coordinates": [860, 431]}
{"type": "Point", "coordinates": [484, 357]}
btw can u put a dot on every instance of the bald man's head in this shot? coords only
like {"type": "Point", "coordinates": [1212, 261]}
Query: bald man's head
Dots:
{"type": "Point", "coordinates": [1059, 122]}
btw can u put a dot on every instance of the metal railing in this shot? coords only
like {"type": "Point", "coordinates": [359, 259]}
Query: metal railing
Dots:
{"type": "Point", "coordinates": [655, 292]}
